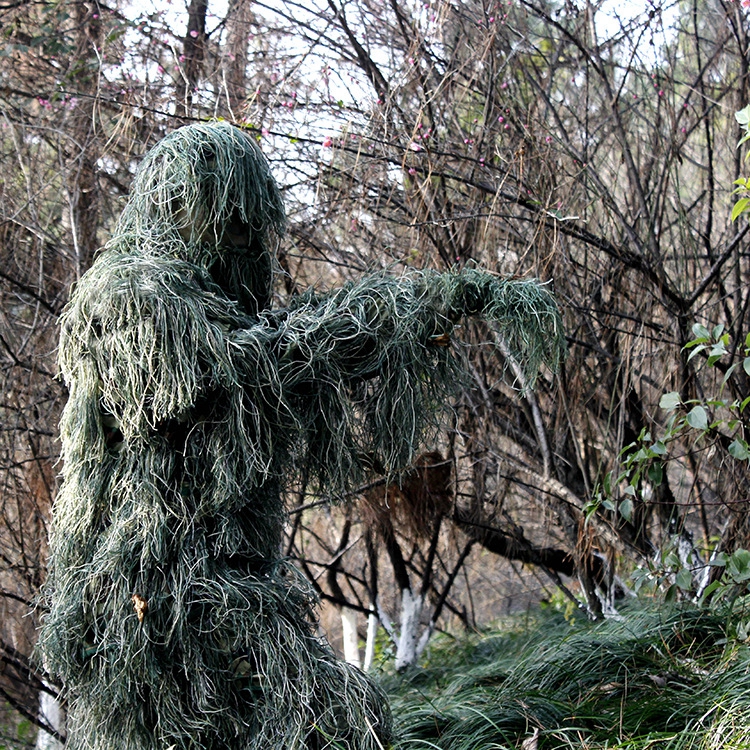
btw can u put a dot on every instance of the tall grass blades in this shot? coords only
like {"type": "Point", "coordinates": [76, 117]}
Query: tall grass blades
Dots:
{"type": "Point", "coordinates": [653, 679]}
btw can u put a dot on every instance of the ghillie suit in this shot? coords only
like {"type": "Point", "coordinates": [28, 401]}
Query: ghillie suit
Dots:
{"type": "Point", "coordinates": [172, 619]}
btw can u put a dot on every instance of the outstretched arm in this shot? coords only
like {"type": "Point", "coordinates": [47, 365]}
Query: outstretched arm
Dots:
{"type": "Point", "coordinates": [366, 368]}
{"type": "Point", "coordinates": [357, 330]}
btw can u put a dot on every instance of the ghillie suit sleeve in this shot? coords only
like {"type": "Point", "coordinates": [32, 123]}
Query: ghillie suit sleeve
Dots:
{"type": "Point", "coordinates": [171, 617]}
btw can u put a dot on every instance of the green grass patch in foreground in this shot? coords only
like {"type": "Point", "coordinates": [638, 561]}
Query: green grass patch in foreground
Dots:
{"type": "Point", "coordinates": [659, 678]}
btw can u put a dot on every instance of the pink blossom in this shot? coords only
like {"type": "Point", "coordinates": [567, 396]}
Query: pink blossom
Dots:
{"type": "Point", "coordinates": [159, 68]}
{"type": "Point", "coordinates": [548, 139]}
{"type": "Point", "coordinates": [264, 131]}
{"type": "Point", "coordinates": [745, 3]}
{"type": "Point", "coordinates": [412, 170]}
{"type": "Point", "coordinates": [194, 34]}
{"type": "Point", "coordinates": [415, 146]}
{"type": "Point", "coordinates": [327, 142]}
{"type": "Point", "coordinates": [500, 119]}
{"type": "Point", "coordinates": [181, 58]}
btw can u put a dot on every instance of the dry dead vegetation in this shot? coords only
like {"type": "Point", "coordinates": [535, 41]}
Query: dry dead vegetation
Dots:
{"type": "Point", "coordinates": [529, 138]}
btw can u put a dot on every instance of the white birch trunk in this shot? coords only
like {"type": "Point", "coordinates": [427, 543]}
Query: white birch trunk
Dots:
{"type": "Point", "coordinates": [411, 613]}
{"type": "Point", "coordinates": [351, 639]}
{"type": "Point", "coordinates": [372, 632]}
{"type": "Point", "coordinates": [51, 712]}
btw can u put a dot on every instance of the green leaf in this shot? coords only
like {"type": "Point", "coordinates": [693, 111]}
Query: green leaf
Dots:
{"type": "Point", "coordinates": [698, 418]}
{"type": "Point", "coordinates": [626, 509]}
{"type": "Point", "coordinates": [719, 349]}
{"type": "Point", "coordinates": [659, 448]}
{"type": "Point", "coordinates": [719, 560]}
{"type": "Point", "coordinates": [701, 332]}
{"type": "Point", "coordinates": [728, 373]}
{"type": "Point", "coordinates": [739, 208]}
{"type": "Point", "coordinates": [743, 116]}
{"type": "Point", "coordinates": [684, 580]}
{"type": "Point", "coordinates": [738, 566]}
{"type": "Point", "coordinates": [591, 507]}
{"type": "Point", "coordinates": [655, 473]}
{"type": "Point", "coordinates": [743, 630]}
{"type": "Point", "coordinates": [694, 342]}
{"type": "Point", "coordinates": [746, 365]}
{"type": "Point", "coordinates": [698, 349]}
{"type": "Point", "coordinates": [709, 590]}
{"type": "Point", "coordinates": [739, 449]}
{"type": "Point", "coordinates": [671, 400]}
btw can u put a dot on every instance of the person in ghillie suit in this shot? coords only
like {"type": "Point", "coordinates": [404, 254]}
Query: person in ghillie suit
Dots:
{"type": "Point", "coordinates": [172, 618]}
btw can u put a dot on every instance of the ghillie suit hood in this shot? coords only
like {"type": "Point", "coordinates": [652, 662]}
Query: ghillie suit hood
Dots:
{"type": "Point", "coordinates": [172, 619]}
{"type": "Point", "coordinates": [205, 195]}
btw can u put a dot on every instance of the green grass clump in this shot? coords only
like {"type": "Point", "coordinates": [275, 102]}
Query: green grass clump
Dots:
{"type": "Point", "coordinates": [657, 678]}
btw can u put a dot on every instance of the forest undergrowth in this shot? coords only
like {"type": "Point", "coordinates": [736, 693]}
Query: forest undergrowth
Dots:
{"type": "Point", "coordinates": [656, 678]}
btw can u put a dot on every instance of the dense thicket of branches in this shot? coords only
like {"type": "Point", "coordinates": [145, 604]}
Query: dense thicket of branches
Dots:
{"type": "Point", "coordinates": [532, 137]}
